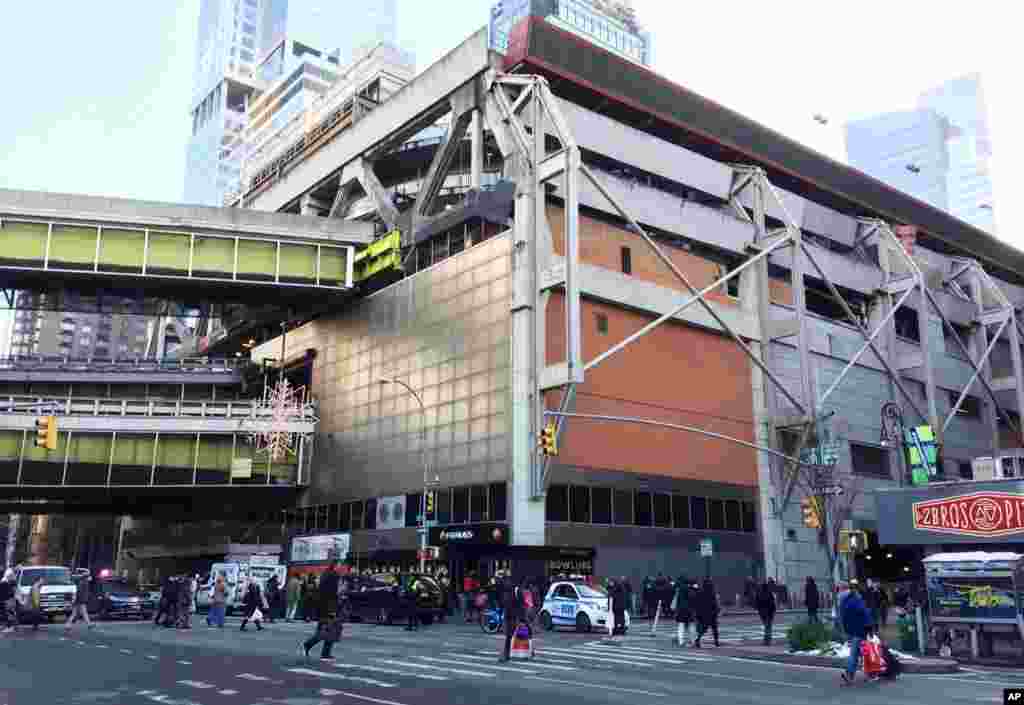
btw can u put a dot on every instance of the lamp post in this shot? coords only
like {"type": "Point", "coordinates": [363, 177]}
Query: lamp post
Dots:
{"type": "Point", "coordinates": [423, 450]}
{"type": "Point", "coordinates": [892, 434]}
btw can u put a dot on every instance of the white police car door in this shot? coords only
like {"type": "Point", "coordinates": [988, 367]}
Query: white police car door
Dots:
{"type": "Point", "coordinates": [564, 604]}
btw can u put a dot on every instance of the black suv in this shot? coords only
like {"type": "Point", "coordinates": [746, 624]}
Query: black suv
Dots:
{"type": "Point", "coordinates": [116, 597]}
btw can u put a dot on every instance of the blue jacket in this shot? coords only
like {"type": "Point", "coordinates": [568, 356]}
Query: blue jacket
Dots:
{"type": "Point", "coordinates": [855, 616]}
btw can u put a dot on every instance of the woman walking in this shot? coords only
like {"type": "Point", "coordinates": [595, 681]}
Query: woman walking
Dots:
{"type": "Point", "coordinates": [294, 594]}
{"type": "Point", "coordinates": [253, 602]}
{"type": "Point", "coordinates": [218, 603]}
{"type": "Point", "coordinates": [707, 612]}
{"type": "Point", "coordinates": [683, 605]}
{"type": "Point", "coordinates": [766, 606]}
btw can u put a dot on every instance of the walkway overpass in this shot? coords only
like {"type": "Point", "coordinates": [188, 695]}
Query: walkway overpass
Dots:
{"type": "Point", "coordinates": [67, 370]}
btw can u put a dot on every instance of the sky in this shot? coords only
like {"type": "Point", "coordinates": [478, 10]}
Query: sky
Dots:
{"type": "Point", "coordinates": [97, 92]}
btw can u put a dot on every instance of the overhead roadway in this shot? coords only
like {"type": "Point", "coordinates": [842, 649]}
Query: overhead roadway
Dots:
{"type": "Point", "coordinates": [183, 251]}
{"type": "Point", "coordinates": [186, 371]}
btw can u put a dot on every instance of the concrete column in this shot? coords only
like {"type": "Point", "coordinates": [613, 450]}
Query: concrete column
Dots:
{"type": "Point", "coordinates": [476, 133]}
{"type": "Point", "coordinates": [979, 341]}
{"type": "Point", "coordinates": [772, 527]}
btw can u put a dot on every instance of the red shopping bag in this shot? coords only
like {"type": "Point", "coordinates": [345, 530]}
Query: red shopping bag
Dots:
{"type": "Point", "coordinates": [871, 652]}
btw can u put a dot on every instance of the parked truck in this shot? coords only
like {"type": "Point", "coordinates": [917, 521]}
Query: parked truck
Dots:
{"type": "Point", "coordinates": [56, 595]}
{"type": "Point", "coordinates": [237, 575]}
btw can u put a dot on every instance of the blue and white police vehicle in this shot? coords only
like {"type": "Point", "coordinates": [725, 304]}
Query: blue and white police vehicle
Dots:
{"type": "Point", "coordinates": [576, 604]}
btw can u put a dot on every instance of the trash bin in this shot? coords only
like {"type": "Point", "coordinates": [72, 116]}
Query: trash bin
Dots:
{"type": "Point", "coordinates": [908, 632]}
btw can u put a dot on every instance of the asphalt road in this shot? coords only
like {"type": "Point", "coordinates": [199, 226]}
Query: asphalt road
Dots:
{"type": "Point", "coordinates": [133, 663]}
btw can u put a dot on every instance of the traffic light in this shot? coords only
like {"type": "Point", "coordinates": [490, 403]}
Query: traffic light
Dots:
{"type": "Point", "coordinates": [811, 512]}
{"type": "Point", "coordinates": [46, 432]}
{"type": "Point", "coordinates": [549, 439]}
{"type": "Point", "coordinates": [430, 505]}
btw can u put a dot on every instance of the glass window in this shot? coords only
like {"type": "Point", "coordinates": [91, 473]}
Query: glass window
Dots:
{"type": "Point", "coordinates": [557, 503]}
{"type": "Point", "coordinates": [749, 517]}
{"type": "Point", "coordinates": [371, 514]}
{"type": "Point", "coordinates": [601, 505]}
{"type": "Point", "coordinates": [627, 260]}
{"type": "Point", "coordinates": [344, 517]}
{"type": "Point", "coordinates": [699, 512]}
{"type": "Point", "coordinates": [477, 503]}
{"type": "Point", "coordinates": [357, 516]}
{"type": "Point", "coordinates": [443, 507]}
{"type": "Point", "coordinates": [716, 511]}
{"type": "Point", "coordinates": [869, 460]}
{"type": "Point", "coordinates": [460, 505]}
{"type": "Point", "coordinates": [499, 502]}
{"type": "Point", "coordinates": [643, 509]}
{"type": "Point", "coordinates": [662, 510]}
{"type": "Point", "coordinates": [680, 511]}
{"type": "Point", "coordinates": [579, 507]}
{"type": "Point", "coordinates": [412, 508]}
{"type": "Point", "coordinates": [966, 471]}
{"type": "Point", "coordinates": [733, 515]}
{"type": "Point", "coordinates": [623, 507]}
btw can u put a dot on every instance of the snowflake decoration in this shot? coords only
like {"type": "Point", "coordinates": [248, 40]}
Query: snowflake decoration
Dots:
{"type": "Point", "coordinates": [285, 404]}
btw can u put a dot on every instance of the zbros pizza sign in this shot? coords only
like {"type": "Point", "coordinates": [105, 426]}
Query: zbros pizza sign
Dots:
{"type": "Point", "coordinates": [984, 514]}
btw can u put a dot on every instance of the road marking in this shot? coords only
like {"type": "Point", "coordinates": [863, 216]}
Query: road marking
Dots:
{"type": "Point", "coordinates": [378, 669]}
{"type": "Point", "coordinates": [533, 664]}
{"type": "Point", "coordinates": [599, 685]}
{"type": "Point", "coordinates": [340, 677]}
{"type": "Point", "coordinates": [780, 663]}
{"type": "Point", "coordinates": [198, 684]}
{"type": "Point", "coordinates": [157, 697]}
{"type": "Point", "coordinates": [564, 653]}
{"type": "Point", "coordinates": [745, 678]}
{"type": "Point", "coordinates": [368, 699]}
{"type": "Point", "coordinates": [251, 677]}
{"type": "Point", "coordinates": [227, 691]}
{"type": "Point", "coordinates": [645, 653]}
{"type": "Point", "coordinates": [185, 663]}
{"type": "Point", "coordinates": [463, 663]}
{"type": "Point", "coordinates": [977, 681]}
{"type": "Point", "coordinates": [152, 658]}
{"type": "Point", "coordinates": [126, 651]}
{"type": "Point", "coordinates": [409, 664]}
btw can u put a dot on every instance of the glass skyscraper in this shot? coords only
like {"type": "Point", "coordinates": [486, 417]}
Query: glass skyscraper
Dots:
{"type": "Point", "coordinates": [233, 38]}
{"type": "Point", "coordinates": [940, 152]}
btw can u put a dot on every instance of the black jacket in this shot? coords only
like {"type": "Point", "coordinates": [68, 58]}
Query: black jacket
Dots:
{"type": "Point", "coordinates": [511, 600]}
{"type": "Point", "coordinates": [6, 591]}
{"type": "Point", "coordinates": [811, 597]}
{"type": "Point", "coordinates": [328, 595]}
{"type": "Point", "coordinates": [618, 595]}
{"type": "Point", "coordinates": [765, 602]}
{"type": "Point", "coordinates": [707, 603]}
{"type": "Point", "coordinates": [252, 597]}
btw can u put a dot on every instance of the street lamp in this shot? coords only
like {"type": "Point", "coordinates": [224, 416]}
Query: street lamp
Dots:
{"type": "Point", "coordinates": [423, 450]}
{"type": "Point", "coordinates": [892, 432]}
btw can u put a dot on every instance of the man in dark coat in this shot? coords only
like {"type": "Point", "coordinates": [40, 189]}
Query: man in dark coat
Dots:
{"type": "Point", "coordinates": [707, 612]}
{"type": "Point", "coordinates": [661, 587]}
{"type": "Point", "coordinates": [252, 601]}
{"type": "Point", "coordinates": [328, 625]}
{"type": "Point", "coordinates": [273, 598]}
{"type": "Point", "coordinates": [765, 605]}
{"type": "Point", "coordinates": [857, 623]}
{"type": "Point", "coordinates": [685, 602]}
{"type": "Point", "coordinates": [512, 603]}
{"type": "Point", "coordinates": [812, 599]}
{"type": "Point", "coordinates": [617, 594]}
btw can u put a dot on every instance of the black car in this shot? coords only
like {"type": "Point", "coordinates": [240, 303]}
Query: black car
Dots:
{"type": "Point", "coordinates": [111, 598]}
{"type": "Point", "coordinates": [378, 598]}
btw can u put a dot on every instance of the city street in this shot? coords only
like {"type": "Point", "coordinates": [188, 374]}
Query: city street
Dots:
{"type": "Point", "coordinates": [132, 662]}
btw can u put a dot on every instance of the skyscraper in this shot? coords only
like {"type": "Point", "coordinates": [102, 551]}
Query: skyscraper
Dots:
{"type": "Point", "coordinates": [938, 152]}
{"type": "Point", "coordinates": [233, 38]}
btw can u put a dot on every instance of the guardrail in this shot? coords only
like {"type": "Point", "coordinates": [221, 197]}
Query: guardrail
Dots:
{"type": "Point", "coordinates": [179, 408]}
{"type": "Point", "coordinates": [197, 365]}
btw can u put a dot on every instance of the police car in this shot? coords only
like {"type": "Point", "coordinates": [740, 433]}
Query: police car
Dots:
{"type": "Point", "coordinates": [571, 604]}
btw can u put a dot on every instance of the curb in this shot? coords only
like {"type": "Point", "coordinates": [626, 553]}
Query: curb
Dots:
{"type": "Point", "coordinates": [926, 666]}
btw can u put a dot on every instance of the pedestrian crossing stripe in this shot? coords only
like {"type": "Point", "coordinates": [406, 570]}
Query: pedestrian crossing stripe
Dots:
{"type": "Point", "coordinates": [391, 671]}
{"type": "Point", "coordinates": [341, 677]}
{"type": "Point", "coordinates": [409, 664]}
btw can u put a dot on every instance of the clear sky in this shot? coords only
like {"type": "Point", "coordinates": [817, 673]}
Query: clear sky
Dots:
{"type": "Point", "coordinates": [96, 93]}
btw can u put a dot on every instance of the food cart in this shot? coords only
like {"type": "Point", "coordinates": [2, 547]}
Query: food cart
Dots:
{"type": "Point", "coordinates": [977, 591]}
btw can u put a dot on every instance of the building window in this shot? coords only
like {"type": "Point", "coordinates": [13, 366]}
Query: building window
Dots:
{"type": "Point", "coordinates": [680, 511]}
{"type": "Point", "coordinates": [623, 507]}
{"type": "Point", "coordinates": [602, 323]}
{"type": "Point", "coordinates": [443, 506]}
{"type": "Point", "coordinates": [460, 505]}
{"type": "Point", "coordinates": [970, 408]}
{"type": "Point", "coordinates": [477, 503]}
{"type": "Point", "coordinates": [869, 460]}
{"type": "Point", "coordinates": [557, 503]}
{"type": "Point", "coordinates": [906, 324]}
{"type": "Point", "coordinates": [716, 513]}
{"type": "Point", "coordinates": [344, 517]}
{"type": "Point", "coordinates": [371, 515]}
{"type": "Point", "coordinates": [663, 510]}
{"type": "Point", "coordinates": [627, 260]}
{"type": "Point", "coordinates": [643, 509]}
{"type": "Point", "coordinates": [699, 513]}
{"type": "Point", "coordinates": [601, 505]}
{"type": "Point", "coordinates": [412, 508]}
{"type": "Point", "coordinates": [966, 471]}
{"type": "Point", "coordinates": [499, 502]}
{"type": "Point", "coordinates": [733, 515]}
{"type": "Point", "coordinates": [357, 516]}
{"type": "Point", "coordinates": [579, 505]}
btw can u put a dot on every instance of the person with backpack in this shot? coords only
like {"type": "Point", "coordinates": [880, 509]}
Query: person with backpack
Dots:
{"type": "Point", "coordinates": [683, 603]}
{"type": "Point", "coordinates": [857, 623]}
{"type": "Point", "coordinates": [766, 607]}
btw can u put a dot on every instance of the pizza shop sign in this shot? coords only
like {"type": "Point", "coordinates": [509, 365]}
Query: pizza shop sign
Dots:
{"type": "Point", "coordinates": [984, 514]}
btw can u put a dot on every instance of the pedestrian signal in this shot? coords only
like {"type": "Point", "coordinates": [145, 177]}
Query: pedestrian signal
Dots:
{"type": "Point", "coordinates": [549, 439]}
{"type": "Point", "coordinates": [811, 510]}
{"type": "Point", "coordinates": [46, 432]}
{"type": "Point", "coordinates": [430, 505]}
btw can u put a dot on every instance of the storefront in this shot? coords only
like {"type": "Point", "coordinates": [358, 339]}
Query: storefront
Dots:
{"type": "Point", "coordinates": [952, 517]}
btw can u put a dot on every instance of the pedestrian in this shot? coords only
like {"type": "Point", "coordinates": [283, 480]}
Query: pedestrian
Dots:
{"type": "Point", "coordinates": [857, 623]}
{"type": "Point", "coordinates": [165, 600]}
{"type": "Point", "coordinates": [766, 605]}
{"type": "Point", "coordinates": [35, 612]}
{"type": "Point", "coordinates": [707, 612]}
{"type": "Point", "coordinates": [617, 596]}
{"type": "Point", "coordinates": [252, 602]}
{"type": "Point", "coordinates": [683, 604]}
{"type": "Point", "coordinates": [294, 595]}
{"type": "Point", "coordinates": [627, 587]}
{"type": "Point", "coordinates": [8, 604]}
{"type": "Point", "coordinates": [647, 596]}
{"type": "Point", "coordinates": [883, 607]}
{"type": "Point", "coordinates": [812, 600]}
{"type": "Point", "coordinates": [272, 596]}
{"type": "Point", "coordinates": [329, 624]}
{"type": "Point", "coordinates": [512, 604]}
{"type": "Point", "coordinates": [80, 608]}
{"type": "Point", "coordinates": [411, 603]}
{"type": "Point", "coordinates": [661, 586]}
{"type": "Point", "coordinates": [871, 600]}
{"type": "Point", "coordinates": [309, 599]}
{"type": "Point", "coordinates": [218, 602]}
{"type": "Point", "coordinates": [470, 586]}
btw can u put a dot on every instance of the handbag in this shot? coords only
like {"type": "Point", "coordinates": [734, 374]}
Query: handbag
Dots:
{"type": "Point", "coordinates": [871, 652]}
{"type": "Point", "coordinates": [257, 615]}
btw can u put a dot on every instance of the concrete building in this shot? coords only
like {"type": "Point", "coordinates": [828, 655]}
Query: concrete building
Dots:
{"type": "Point", "coordinates": [939, 152]}
{"type": "Point", "coordinates": [484, 323]}
{"type": "Point", "coordinates": [234, 39]}
{"type": "Point", "coordinates": [38, 331]}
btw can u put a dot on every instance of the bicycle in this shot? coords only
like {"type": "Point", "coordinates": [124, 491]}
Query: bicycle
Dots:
{"type": "Point", "coordinates": [492, 620]}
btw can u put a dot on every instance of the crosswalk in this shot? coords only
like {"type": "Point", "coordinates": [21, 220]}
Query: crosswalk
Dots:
{"type": "Point", "coordinates": [728, 633]}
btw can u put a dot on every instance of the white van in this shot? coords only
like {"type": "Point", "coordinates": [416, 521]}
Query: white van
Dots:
{"type": "Point", "coordinates": [236, 575]}
{"type": "Point", "coordinates": [56, 595]}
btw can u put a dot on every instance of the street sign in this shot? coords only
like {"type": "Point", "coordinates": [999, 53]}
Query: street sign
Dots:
{"type": "Point", "coordinates": [707, 549]}
{"type": "Point", "coordinates": [832, 491]}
